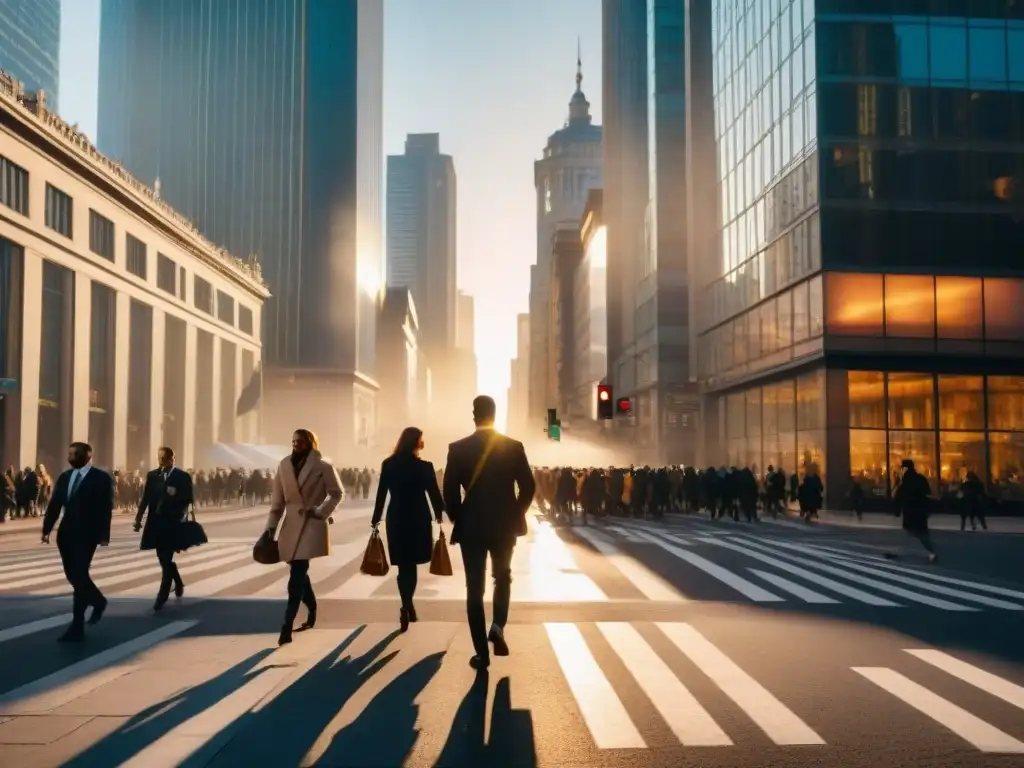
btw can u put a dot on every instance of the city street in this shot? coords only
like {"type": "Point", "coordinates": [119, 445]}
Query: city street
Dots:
{"type": "Point", "coordinates": [639, 643]}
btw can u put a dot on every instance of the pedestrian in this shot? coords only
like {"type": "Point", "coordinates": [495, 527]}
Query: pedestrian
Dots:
{"type": "Point", "coordinates": [409, 480]}
{"type": "Point", "coordinates": [306, 491]}
{"type": "Point", "coordinates": [85, 496]}
{"type": "Point", "coordinates": [912, 500]}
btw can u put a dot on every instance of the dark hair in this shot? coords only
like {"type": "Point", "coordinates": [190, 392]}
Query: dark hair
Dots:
{"type": "Point", "coordinates": [484, 409]}
{"type": "Point", "coordinates": [85, 447]}
{"type": "Point", "coordinates": [166, 451]}
{"type": "Point", "coordinates": [408, 441]}
{"type": "Point", "coordinates": [310, 436]}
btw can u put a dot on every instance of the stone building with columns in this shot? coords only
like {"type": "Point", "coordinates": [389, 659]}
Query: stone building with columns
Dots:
{"type": "Point", "coordinates": [119, 323]}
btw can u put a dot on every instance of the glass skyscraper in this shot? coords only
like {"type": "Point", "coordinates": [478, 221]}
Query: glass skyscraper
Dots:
{"type": "Point", "coordinates": [867, 304]}
{"type": "Point", "coordinates": [263, 124]}
{"type": "Point", "coordinates": [30, 45]}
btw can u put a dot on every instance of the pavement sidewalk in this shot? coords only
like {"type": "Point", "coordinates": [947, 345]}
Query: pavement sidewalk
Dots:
{"type": "Point", "coordinates": [22, 524]}
{"type": "Point", "coordinates": [938, 522]}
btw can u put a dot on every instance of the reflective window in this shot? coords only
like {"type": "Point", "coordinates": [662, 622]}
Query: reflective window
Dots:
{"type": "Point", "coordinates": [1015, 54]}
{"type": "Point", "coordinates": [1006, 402]}
{"type": "Point", "coordinates": [868, 460]}
{"type": "Point", "coordinates": [948, 52]}
{"type": "Point", "coordinates": [909, 306]}
{"type": "Point", "coordinates": [987, 54]}
{"type": "Point", "coordinates": [811, 447]}
{"type": "Point", "coordinates": [958, 307]}
{"type": "Point", "coordinates": [1006, 465]}
{"type": "Point", "coordinates": [961, 402]}
{"type": "Point", "coordinates": [735, 415]}
{"type": "Point", "coordinates": [816, 312]}
{"type": "Point", "coordinates": [801, 322]}
{"type": "Point", "coordinates": [854, 304]}
{"type": "Point", "coordinates": [769, 410]}
{"type": "Point", "coordinates": [866, 391]}
{"type": "Point", "coordinates": [810, 401]}
{"type": "Point", "coordinates": [912, 51]}
{"type": "Point", "coordinates": [753, 412]}
{"type": "Point", "coordinates": [911, 401]}
{"type": "Point", "coordinates": [960, 453]}
{"type": "Point", "coordinates": [1004, 309]}
{"type": "Point", "coordinates": [754, 333]}
{"type": "Point", "coordinates": [916, 446]}
{"type": "Point", "coordinates": [786, 405]}
{"type": "Point", "coordinates": [769, 328]}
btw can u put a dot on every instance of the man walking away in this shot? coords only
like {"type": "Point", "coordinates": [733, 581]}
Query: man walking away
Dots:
{"type": "Point", "coordinates": [86, 495]}
{"type": "Point", "coordinates": [488, 467]}
{"type": "Point", "coordinates": [913, 500]}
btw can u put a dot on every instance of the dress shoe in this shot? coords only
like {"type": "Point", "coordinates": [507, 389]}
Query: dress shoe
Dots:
{"type": "Point", "coordinates": [497, 636]}
{"type": "Point", "coordinates": [97, 612]}
{"type": "Point", "coordinates": [480, 663]}
{"type": "Point", "coordinates": [161, 600]}
{"type": "Point", "coordinates": [179, 589]}
{"type": "Point", "coordinates": [412, 614]}
{"type": "Point", "coordinates": [310, 621]}
{"type": "Point", "coordinates": [403, 619]}
{"type": "Point", "coordinates": [286, 635]}
{"type": "Point", "coordinates": [73, 634]}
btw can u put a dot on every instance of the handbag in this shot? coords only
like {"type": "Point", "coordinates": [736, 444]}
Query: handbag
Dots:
{"type": "Point", "coordinates": [375, 560]}
{"type": "Point", "coordinates": [440, 562]}
{"type": "Point", "coordinates": [265, 551]}
{"type": "Point", "coordinates": [190, 533]}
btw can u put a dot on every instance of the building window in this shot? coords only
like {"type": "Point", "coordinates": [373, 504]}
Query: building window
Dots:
{"type": "Point", "coordinates": [101, 235]}
{"type": "Point", "coordinates": [1004, 309]}
{"type": "Point", "coordinates": [911, 401]}
{"type": "Point", "coordinates": [866, 394]}
{"type": "Point", "coordinates": [960, 453]}
{"type": "Point", "coordinates": [810, 401]}
{"type": "Point", "coordinates": [868, 462]}
{"type": "Point", "coordinates": [916, 446]}
{"type": "Point", "coordinates": [961, 402]}
{"type": "Point", "coordinates": [135, 256]}
{"type": "Point", "coordinates": [910, 306]}
{"type": "Point", "coordinates": [181, 283]}
{"type": "Point", "coordinates": [202, 294]}
{"type": "Point", "coordinates": [1006, 465]}
{"type": "Point", "coordinates": [13, 186]}
{"type": "Point", "coordinates": [958, 307]}
{"type": "Point", "coordinates": [1006, 403]}
{"type": "Point", "coordinates": [245, 320]}
{"type": "Point", "coordinates": [58, 211]}
{"type": "Point", "coordinates": [166, 273]}
{"type": "Point", "coordinates": [854, 304]}
{"type": "Point", "coordinates": [225, 308]}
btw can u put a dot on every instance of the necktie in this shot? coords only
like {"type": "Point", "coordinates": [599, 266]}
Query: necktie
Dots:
{"type": "Point", "coordinates": [74, 483]}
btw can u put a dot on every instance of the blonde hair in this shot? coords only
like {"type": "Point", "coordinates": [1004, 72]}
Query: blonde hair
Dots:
{"type": "Point", "coordinates": [310, 435]}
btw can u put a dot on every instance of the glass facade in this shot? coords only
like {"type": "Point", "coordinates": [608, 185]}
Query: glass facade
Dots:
{"type": "Point", "coordinates": [30, 45]}
{"type": "Point", "coordinates": [264, 126]}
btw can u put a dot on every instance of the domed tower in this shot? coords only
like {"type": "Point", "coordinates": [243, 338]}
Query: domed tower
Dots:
{"type": "Point", "coordinates": [570, 167]}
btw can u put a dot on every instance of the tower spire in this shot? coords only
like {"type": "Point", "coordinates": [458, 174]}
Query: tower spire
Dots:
{"type": "Point", "coordinates": [579, 66]}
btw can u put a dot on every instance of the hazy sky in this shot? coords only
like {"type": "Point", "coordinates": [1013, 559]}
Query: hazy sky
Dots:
{"type": "Point", "coordinates": [494, 78]}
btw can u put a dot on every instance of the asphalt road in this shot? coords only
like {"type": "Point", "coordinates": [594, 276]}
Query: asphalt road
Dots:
{"type": "Point", "coordinates": [666, 645]}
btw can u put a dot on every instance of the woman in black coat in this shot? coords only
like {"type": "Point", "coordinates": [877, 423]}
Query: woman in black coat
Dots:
{"type": "Point", "coordinates": [409, 480]}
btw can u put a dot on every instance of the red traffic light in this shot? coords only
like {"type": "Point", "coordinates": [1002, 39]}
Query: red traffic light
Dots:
{"type": "Point", "coordinates": [602, 394]}
{"type": "Point", "coordinates": [624, 405]}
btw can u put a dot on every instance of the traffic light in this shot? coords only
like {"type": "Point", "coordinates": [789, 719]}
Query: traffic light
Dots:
{"type": "Point", "coordinates": [554, 429]}
{"type": "Point", "coordinates": [605, 408]}
{"type": "Point", "coordinates": [624, 406]}
{"type": "Point", "coordinates": [552, 416]}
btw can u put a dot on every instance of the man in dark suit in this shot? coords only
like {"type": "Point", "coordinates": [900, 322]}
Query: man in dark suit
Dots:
{"type": "Point", "coordinates": [86, 495]}
{"type": "Point", "coordinates": [489, 467]}
{"type": "Point", "coordinates": [167, 495]}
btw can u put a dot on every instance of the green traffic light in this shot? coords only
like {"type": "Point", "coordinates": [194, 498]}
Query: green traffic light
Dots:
{"type": "Point", "coordinates": [554, 432]}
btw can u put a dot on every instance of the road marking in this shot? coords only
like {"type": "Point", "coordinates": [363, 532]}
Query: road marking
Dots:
{"type": "Point", "coordinates": [319, 569]}
{"type": "Point", "coordinates": [152, 572]}
{"type": "Point", "coordinates": [625, 533]}
{"type": "Point", "coordinates": [649, 584]}
{"type": "Point", "coordinates": [54, 571]}
{"type": "Point", "coordinates": [213, 726]}
{"type": "Point", "coordinates": [773, 717]}
{"type": "Point", "coordinates": [75, 680]}
{"type": "Point", "coordinates": [881, 586]}
{"type": "Point", "coordinates": [807, 595]}
{"type": "Point", "coordinates": [819, 580]}
{"type": "Point", "coordinates": [680, 710]}
{"type": "Point", "coordinates": [13, 633]}
{"type": "Point", "coordinates": [601, 708]}
{"type": "Point", "coordinates": [919, 583]}
{"type": "Point", "coordinates": [746, 588]}
{"type": "Point", "coordinates": [991, 684]}
{"type": "Point", "coordinates": [971, 729]}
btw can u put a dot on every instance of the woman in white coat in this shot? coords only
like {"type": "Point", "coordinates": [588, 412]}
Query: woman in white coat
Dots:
{"type": "Point", "coordinates": [306, 491]}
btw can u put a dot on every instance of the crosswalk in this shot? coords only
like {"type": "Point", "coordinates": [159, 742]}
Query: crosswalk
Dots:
{"type": "Point", "coordinates": [191, 694]}
{"type": "Point", "coordinates": [624, 561]}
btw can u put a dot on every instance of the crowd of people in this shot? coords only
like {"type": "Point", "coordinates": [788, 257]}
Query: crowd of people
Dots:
{"type": "Point", "coordinates": [26, 493]}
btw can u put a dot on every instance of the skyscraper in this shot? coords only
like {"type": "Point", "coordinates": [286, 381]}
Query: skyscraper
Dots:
{"type": "Point", "coordinates": [262, 122]}
{"type": "Point", "coordinates": [568, 170]}
{"type": "Point", "coordinates": [421, 245]}
{"type": "Point", "coordinates": [30, 44]}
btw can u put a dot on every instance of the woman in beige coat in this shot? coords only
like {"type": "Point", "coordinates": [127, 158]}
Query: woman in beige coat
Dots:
{"type": "Point", "coordinates": [306, 491]}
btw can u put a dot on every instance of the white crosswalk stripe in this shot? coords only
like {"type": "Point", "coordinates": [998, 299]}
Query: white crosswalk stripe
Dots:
{"type": "Point", "coordinates": [603, 676]}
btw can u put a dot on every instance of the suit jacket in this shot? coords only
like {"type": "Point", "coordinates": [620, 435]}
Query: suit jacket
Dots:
{"type": "Point", "coordinates": [166, 510]}
{"type": "Point", "coordinates": [305, 502]}
{"type": "Point", "coordinates": [410, 534]}
{"type": "Point", "coordinates": [87, 514]}
{"type": "Point", "coordinates": [492, 511]}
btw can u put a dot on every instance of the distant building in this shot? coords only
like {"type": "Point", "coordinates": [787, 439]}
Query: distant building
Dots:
{"type": "Point", "coordinates": [262, 123]}
{"type": "Point", "coordinates": [467, 369]}
{"type": "Point", "coordinates": [465, 336]}
{"type": "Point", "coordinates": [30, 45]}
{"type": "Point", "coordinates": [519, 379]}
{"type": "Point", "coordinates": [590, 307]}
{"type": "Point", "coordinates": [567, 253]}
{"type": "Point", "coordinates": [402, 391]}
{"type": "Point", "coordinates": [120, 324]}
{"type": "Point", "coordinates": [569, 169]}
{"type": "Point", "coordinates": [421, 238]}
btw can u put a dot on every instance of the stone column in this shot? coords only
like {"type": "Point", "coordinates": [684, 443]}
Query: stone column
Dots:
{"type": "Point", "coordinates": [157, 360]}
{"type": "Point", "coordinates": [122, 348]}
{"type": "Point", "coordinates": [241, 424]}
{"type": "Point", "coordinates": [215, 385]}
{"type": "Point", "coordinates": [188, 448]}
{"type": "Point", "coordinates": [31, 351]}
{"type": "Point", "coordinates": [80, 369]}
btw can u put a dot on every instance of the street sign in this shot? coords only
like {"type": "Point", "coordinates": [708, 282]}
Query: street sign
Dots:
{"type": "Point", "coordinates": [555, 433]}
